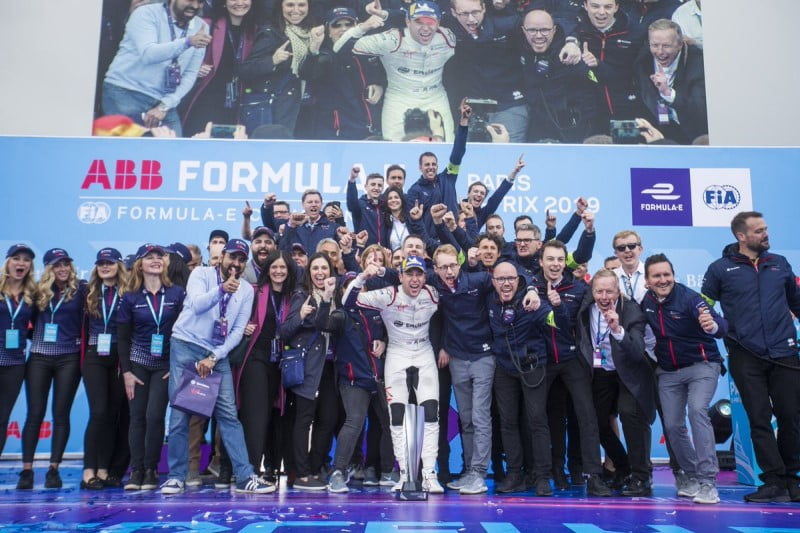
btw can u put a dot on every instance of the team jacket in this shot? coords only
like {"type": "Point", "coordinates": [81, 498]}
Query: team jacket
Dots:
{"type": "Point", "coordinates": [309, 235]}
{"type": "Point", "coordinates": [561, 342]}
{"type": "Point", "coordinates": [355, 329]}
{"type": "Point", "coordinates": [756, 299]}
{"type": "Point", "coordinates": [367, 216]}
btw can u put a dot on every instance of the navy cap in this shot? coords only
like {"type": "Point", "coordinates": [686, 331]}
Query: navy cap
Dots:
{"type": "Point", "coordinates": [218, 233]}
{"type": "Point", "coordinates": [261, 230]}
{"type": "Point", "coordinates": [340, 13]}
{"type": "Point", "coordinates": [108, 254]}
{"type": "Point", "coordinates": [298, 246]}
{"type": "Point", "coordinates": [129, 260]}
{"type": "Point", "coordinates": [181, 250]}
{"type": "Point", "coordinates": [411, 262]}
{"type": "Point", "coordinates": [20, 247]}
{"type": "Point", "coordinates": [54, 255]}
{"type": "Point", "coordinates": [237, 246]}
{"type": "Point", "coordinates": [149, 247]}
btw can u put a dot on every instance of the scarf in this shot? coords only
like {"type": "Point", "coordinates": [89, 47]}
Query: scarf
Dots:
{"type": "Point", "coordinates": [299, 39]}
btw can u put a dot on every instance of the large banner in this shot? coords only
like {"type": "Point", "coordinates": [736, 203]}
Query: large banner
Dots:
{"type": "Point", "coordinates": [86, 194]}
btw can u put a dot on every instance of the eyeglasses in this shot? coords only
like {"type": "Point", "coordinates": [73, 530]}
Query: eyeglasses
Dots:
{"type": "Point", "coordinates": [453, 267]}
{"type": "Point", "coordinates": [342, 24]}
{"type": "Point", "coordinates": [467, 14]}
{"type": "Point", "coordinates": [504, 279]}
{"type": "Point", "coordinates": [544, 32]}
{"type": "Point", "coordinates": [524, 241]}
{"type": "Point", "coordinates": [630, 246]}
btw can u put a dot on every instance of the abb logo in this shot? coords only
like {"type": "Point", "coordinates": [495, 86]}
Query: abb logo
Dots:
{"type": "Point", "coordinates": [125, 177]}
{"type": "Point", "coordinates": [45, 430]}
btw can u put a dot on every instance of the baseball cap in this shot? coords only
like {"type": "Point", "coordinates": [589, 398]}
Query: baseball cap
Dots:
{"type": "Point", "coordinates": [218, 233]}
{"type": "Point", "coordinates": [181, 250]}
{"type": "Point", "coordinates": [20, 247]}
{"type": "Point", "coordinates": [424, 9]}
{"type": "Point", "coordinates": [340, 13]}
{"type": "Point", "coordinates": [54, 255]}
{"type": "Point", "coordinates": [149, 247]}
{"type": "Point", "coordinates": [108, 254]}
{"type": "Point", "coordinates": [412, 261]}
{"type": "Point", "coordinates": [298, 246]}
{"type": "Point", "coordinates": [237, 246]}
{"type": "Point", "coordinates": [261, 230]}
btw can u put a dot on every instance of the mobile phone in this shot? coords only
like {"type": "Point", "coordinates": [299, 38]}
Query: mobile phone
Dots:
{"type": "Point", "coordinates": [223, 131]}
{"type": "Point", "coordinates": [624, 131]}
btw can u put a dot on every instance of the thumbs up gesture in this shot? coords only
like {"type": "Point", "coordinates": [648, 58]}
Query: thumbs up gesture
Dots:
{"type": "Point", "coordinates": [200, 39]}
{"type": "Point", "coordinates": [588, 58]}
{"type": "Point", "coordinates": [552, 295]}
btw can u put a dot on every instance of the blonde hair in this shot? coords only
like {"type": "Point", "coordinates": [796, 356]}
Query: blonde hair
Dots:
{"type": "Point", "coordinates": [368, 251]}
{"type": "Point", "coordinates": [625, 234]}
{"type": "Point", "coordinates": [45, 286]}
{"type": "Point", "coordinates": [137, 277]}
{"type": "Point", "coordinates": [28, 284]}
{"type": "Point", "coordinates": [448, 249]}
{"type": "Point", "coordinates": [96, 288]}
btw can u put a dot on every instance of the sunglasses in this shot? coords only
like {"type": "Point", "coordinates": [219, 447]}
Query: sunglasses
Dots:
{"type": "Point", "coordinates": [342, 24]}
{"type": "Point", "coordinates": [631, 246]}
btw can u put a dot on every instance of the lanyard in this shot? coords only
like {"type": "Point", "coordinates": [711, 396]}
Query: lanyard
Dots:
{"type": "Point", "coordinates": [11, 310]}
{"type": "Point", "coordinates": [172, 24]}
{"type": "Point", "coordinates": [106, 313]}
{"type": "Point", "coordinates": [160, 309]}
{"type": "Point", "coordinates": [256, 268]}
{"type": "Point", "coordinates": [601, 337]}
{"type": "Point", "coordinates": [238, 49]}
{"type": "Point", "coordinates": [54, 310]}
{"type": "Point", "coordinates": [630, 288]}
{"type": "Point", "coordinates": [223, 303]}
{"type": "Point", "coordinates": [276, 308]}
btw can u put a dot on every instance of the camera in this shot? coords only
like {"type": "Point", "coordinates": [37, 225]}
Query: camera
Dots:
{"type": "Point", "coordinates": [624, 132]}
{"type": "Point", "coordinates": [223, 131]}
{"type": "Point", "coordinates": [481, 109]}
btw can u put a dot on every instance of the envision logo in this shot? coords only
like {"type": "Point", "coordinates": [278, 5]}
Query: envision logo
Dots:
{"type": "Point", "coordinates": [661, 191]}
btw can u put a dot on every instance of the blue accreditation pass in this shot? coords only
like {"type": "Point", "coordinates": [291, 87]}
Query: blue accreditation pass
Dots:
{"type": "Point", "coordinates": [156, 345]}
{"type": "Point", "coordinates": [104, 344]}
{"type": "Point", "coordinates": [50, 332]}
{"type": "Point", "coordinates": [12, 339]}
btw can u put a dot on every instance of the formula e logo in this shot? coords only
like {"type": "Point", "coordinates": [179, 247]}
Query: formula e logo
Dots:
{"type": "Point", "coordinates": [722, 197]}
{"type": "Point", "coordinates": [94, 212]}
{"type": "Point", "coordinates": [662, 191]}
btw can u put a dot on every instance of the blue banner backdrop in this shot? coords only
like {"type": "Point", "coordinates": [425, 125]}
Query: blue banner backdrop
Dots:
{"type": "Point", "coordinates": [86, 194]}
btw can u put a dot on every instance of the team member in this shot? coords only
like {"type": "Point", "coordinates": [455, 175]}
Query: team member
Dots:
{"type": "Point", "coordinates": [145, 318]}
{"type": "Point", "coordinates": [757, 289]}
{"type": "Point", "coordinates": [688, 370]}
{"type": "Point", "coordinates": [54, 361]}
{"type": "Point", "coordinates": [367, 211]}
{"type": "Point", "coordinates": [18, 308]}
{"type": "Point", "coordinates": [215, 312]}
{"type": "Point", "coordinates": [101, 379]}
{"type": "Point", "coordinates": [406, 312]}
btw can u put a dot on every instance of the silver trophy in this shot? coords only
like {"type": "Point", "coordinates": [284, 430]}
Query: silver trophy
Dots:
{"type": "Point", "coordinates": [413, 428]}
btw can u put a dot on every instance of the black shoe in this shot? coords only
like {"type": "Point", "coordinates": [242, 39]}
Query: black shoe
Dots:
{"type": "Point", "coordinates": [635, 487]}
{"type": "Point", "coordinates": [223, 481]}
{"type": "Point", "coordinates": [150, 481]}
{"type": "Point", "coordinates": [794, 490]}
{"type": "Point", "coordinates": [596, 487]}
{"type": "Point", "coordinates": [444, 476]}
{"type": "Point", "coordinates": [310, 483]}
{"type": "Point", "coordinates": [577, 478]}
{"type": "Point", "coordinates": [94, 483]}
{"type": "Point", "coordinates": [530, 481]}
{"type": "Point", "coordinates": [52, 480]}
{"type": "Point", "coordinates": [25, 480]}
{"type": "Point", "coordinates": [543, 487]}
{"type": "Point", "coordinates": [270, 475]}
{"type": "Point", "coordinates": [112, 482]}
{"type": "Point", "coordinates": [768, 493]}
{"type": "Point", "coordinates": [560, 479]}
{"type": "Point", "coordinates": [135, 481]}
{"type": "Point", "coordinates": [619, 479]}
{"type": "Point", "coordinates": [513, 482]}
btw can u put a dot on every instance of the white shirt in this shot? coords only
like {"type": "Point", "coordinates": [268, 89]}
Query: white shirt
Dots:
{"type": "Point", "coordinates": [690, 18]}
{"type": "Point", "coordinates": [601, 336]}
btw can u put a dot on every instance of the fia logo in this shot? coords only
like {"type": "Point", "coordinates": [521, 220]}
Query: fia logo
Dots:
{"type": "Point", "coordinates": [722, 197]}
{"type": "Point", "coordinates": [94, 212]}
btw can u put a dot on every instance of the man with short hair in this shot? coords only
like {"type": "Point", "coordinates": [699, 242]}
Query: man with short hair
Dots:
{"type": "Point", "coordinates": [157, 63]}
{"type": "Point", "coordinates": [366, 210]}
{"type": "Point", "coordinates": [477, 192]}
{"type": "Point", "coordinates": [310, 226]}
{"type": "Point", "coordinates": [331, 248]}
{"type": "Point", "coordinates": [396, 176]}
{"type": "Point", "coordinates": [758, 292]}
{"type": "Point", "coordinates": [262, 244]}
{"type": "Point", "coordinates": [214, 316]}
{"type": "Point", "coordinates": [671, 84]}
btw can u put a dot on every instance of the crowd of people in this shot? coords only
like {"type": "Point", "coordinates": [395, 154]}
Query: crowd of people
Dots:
{"type": "Point", "coordinates": [413, 303]}
{"type": "Point", "coordinates": [564, 71]}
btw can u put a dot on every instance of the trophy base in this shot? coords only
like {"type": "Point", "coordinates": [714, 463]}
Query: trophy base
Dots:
{"type": "Point", "coordinates": [412, 492]}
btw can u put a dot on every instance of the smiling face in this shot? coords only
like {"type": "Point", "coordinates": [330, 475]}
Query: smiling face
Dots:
{"type": "Point", "coordinates": [488, 252]}
{"type": "Point", "coordinates": [601, 12]}
{"type": "Point", "coordinates": [337, 28]}
{"type": "Point", "coordinates": [232, 264]}
{"type": "Point", "coordinates": [476, 194]}
{"type": "Point", "coordinates": [294, 11]}
{"type": "Point", "coordinates": [664, 45]}
{"type": "Point", "coordinates": [107, 270]}
{"type": "Point", "coordinates": [278, 271]}
{"type": "Point", "coordinates": [506, 281]}
{"type": "Point", "coordinates": [469, 14]}
{"type": "Point", "coordinates": [397, 258]}
{"type": "Point", "coordinates": [153, 263]}
{"type": "Point", "coordinates": [332, 251]}
{"type": "Point", "coordinates": [553, 261]}
{"type": "Point", "coordinates": [19, 265]}
{"type": "Point", "coordinates": [312, 204]}
{"type": "Point", "coordinates": [319, 271]}
{"type": "Point", "coordinates": [755, 237]}
{"type": "Point", "coordinates": [396, 178]}
{"type": "Point", "coordinates": [413, 246]}
{"type": "Point", "coordinates": [661, 279]}
{"type": "Point", "coordinates": [374, 188]}
{"type": "Point", "coordinates": [62, 270]}
{"type": "Point", "coordinates": [539, 30]}
{"type": "Point", "coordinates": [261, 247]}
{"type": "Point", "coordinates": [429, 167]}
{"type": "Point", "coordinates": [412, 282]}
{"type": "Point", "coordinates": [605, 291]}
{"type": "Point", "coordinates": [393, 201]}
{"type": "Point", "coordinates": [185, 10]}
{"type": "Point", "coordinates": [447, 268]}
{"type": "Point", "coordinates": [238, 8]}
{"type": "Point", "coordinates": [422, 29]}
{"type": "Point", "coordinates": [628, 250]}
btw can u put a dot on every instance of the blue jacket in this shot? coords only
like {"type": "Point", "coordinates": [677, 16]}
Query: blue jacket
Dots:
{"type": "Point", "coordinates": [680, 341]}
{"type": "Point", "coordinates": [367, 216]}
{"type": "Point", "coordinates": [490, 208]}
{"type": "Point", "coordinates": [466, 317]}
{"type": "Point", "coordinates": [355, 362]}
{"type": "Point", "coordinates": [26, 314]}
{"type": "Point", "coordinates": [526, 335]}
{"type": "Point", "coordinates": [561, 343]}
{"type": "Point", "coordinates": [69, 317]}
{"type": "Point", "coordinates": [309, 236]}
{"type": "Point", "coordinates": [442, 190]}
{"type": "Point", "coordinates": [756, 300]}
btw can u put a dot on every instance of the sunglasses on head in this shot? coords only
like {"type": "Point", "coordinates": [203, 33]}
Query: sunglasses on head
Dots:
{"type": "Point", "coordinates": [630, 246]}
{"type": "Point", "coordinates": [342, 24]}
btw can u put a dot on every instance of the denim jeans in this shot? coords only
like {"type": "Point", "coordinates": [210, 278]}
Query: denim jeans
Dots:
{"type": "Point", "coordinates": [472, 384]}
{"type": "Point", "coordinates": [120, 101]}
{"type": "Point", "coordinates": [183, 355]}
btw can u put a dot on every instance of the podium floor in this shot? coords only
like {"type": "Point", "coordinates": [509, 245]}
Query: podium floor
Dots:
{"type": "Point", "coordinates": [375, 510]}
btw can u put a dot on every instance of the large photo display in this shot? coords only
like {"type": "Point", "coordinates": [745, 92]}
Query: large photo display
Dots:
{"type": "Point", "coordinates": [528, 71]}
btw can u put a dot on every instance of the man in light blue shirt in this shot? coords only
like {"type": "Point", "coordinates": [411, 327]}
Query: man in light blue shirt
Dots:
{"type": "Point", "coordinates": [215, 313]}
{"type": "Point", "coordinates": [157, 63]}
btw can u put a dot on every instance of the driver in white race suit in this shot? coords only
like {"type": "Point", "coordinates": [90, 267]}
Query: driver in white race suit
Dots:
{"type": "Point", "coordinates": [414, 59]}
{"type": "Point", "coordinates": [406, 311]}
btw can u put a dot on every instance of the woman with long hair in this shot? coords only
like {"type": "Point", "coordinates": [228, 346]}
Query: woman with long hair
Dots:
{"type": "Point", "coordinates": [258, 379]}
{"type": "Point", "coordinates": [101, 378]}
{"type": "Point", "coordinates": [54, 361]}
{"type": "Point", "coordinates": [396, 216]}
{"type": "Point", "coordinates": [18, 308]}
{"type": "Point", "coordinates": [315, 398]}
{"type": "Point", "coordinates": [215, 97]}
{"type": "Point", "coordinates": [271, 74]}
{"type": "Point", "coordinates": [145, 317]}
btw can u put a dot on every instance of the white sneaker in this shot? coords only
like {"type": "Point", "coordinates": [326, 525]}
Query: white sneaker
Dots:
{"type": "Point", "coordinates": [707, 494]}
{"type": "Point", "coordinates": [172, 486]}
{"type": "Point", "coordinates": [430, 482]}
{"type": "Point", "coordinates": [193, 479]}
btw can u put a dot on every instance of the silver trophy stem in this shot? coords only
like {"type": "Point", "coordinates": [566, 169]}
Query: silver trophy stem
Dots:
{"type": "Point", "coordinates": [413, 429]}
